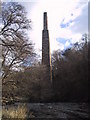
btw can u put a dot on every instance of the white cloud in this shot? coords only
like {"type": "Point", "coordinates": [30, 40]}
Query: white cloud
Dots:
{"type": "Point", "coordinates": [57, 10]}
{"type": "Point", "coordinates": [19, 0]}
{"type": "Point", "coordinates": [81, 22]}
{"type": "Point", "coordinates": [67, 44]}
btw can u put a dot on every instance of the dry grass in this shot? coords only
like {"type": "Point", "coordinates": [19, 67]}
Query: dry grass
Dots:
{"type": "Point", "coordinates": [12, 112]}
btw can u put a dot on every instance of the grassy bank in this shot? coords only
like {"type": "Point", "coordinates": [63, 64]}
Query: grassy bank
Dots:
{"type": "Point", "coordinates": [19, 112]}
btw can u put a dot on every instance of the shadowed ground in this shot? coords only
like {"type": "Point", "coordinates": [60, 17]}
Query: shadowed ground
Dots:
{"type": "Point", "coordinates": [57, 110]}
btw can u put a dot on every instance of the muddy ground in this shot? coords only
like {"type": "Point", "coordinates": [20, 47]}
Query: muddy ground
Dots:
{"type": "Point", "coordinates": [74, 111]}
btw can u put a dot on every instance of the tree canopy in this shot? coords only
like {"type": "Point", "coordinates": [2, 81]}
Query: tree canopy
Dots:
{"type": "Point", "coordinates": [16, 46]}
{"type": "Point", "coordinates": [70, 73]}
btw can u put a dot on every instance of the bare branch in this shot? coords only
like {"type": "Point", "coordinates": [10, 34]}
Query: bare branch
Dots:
{"type": "Point", "coordinates": [15, 45]}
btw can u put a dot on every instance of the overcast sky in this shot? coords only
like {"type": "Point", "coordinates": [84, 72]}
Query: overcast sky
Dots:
{"type": "Point", "coordinates": [67, 21]}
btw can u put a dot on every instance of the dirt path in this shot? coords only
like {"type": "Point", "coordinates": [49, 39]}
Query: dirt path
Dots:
{"type": "Point", "coordinates": [59, 110]}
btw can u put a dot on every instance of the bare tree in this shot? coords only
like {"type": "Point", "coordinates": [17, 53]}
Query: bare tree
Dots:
{"type": "Point", "coordinates": [15, 45]}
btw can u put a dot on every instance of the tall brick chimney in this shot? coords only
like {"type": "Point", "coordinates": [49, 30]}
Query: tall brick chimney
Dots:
{"type": "Point", "coordinates": [46, 59]}
{"type": "Point", "coordinates": [45, 42]}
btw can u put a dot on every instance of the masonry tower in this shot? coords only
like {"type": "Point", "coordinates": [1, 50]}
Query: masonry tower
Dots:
{"type": "Point", "coordinates": [46, 58]}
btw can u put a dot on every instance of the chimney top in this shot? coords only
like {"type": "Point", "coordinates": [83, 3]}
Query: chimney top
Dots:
{"type": "Point", "coordinates": [45, 12]}
{"type": "Point", "coordinates": [45, 21]}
